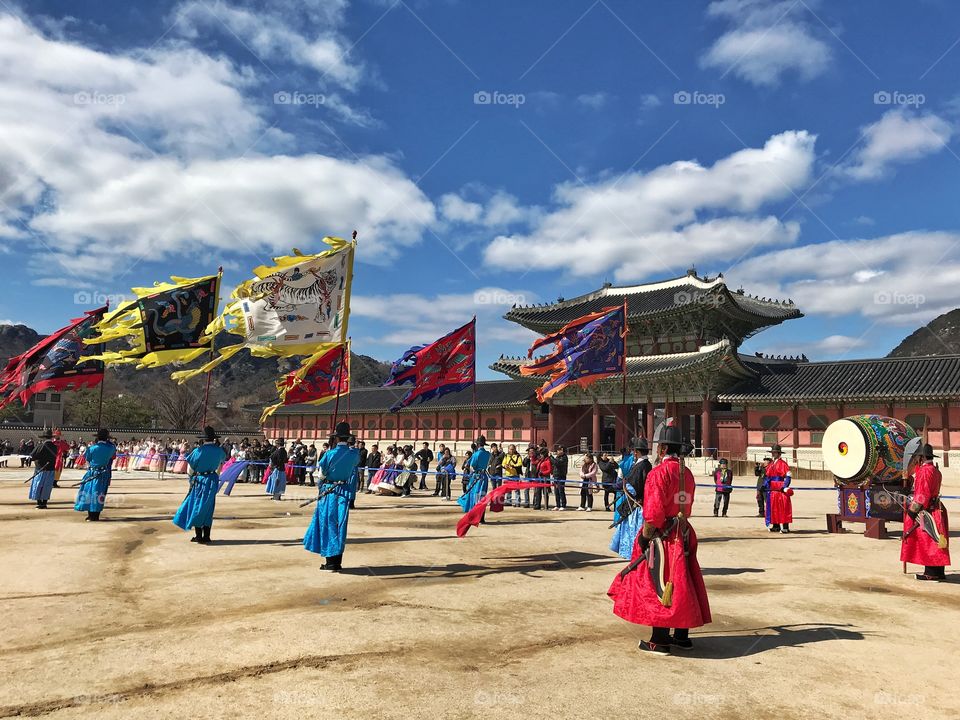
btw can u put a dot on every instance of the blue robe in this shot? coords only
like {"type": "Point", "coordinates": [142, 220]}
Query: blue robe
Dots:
{"type": "Point", "coordinates": [96, 481]}
{"type": "Point", "coordinates": [277, 482]}
{"type": "Point", "coordinates": [197, 507]}
{"type": "Point", "coordinates": [477, 485]}
{"type": "Point", "coordinates": [327, 534]}
{"type": "Point", "coordinates": [626, 532]}
{"type": "Point", "coordinates": [41, 486]}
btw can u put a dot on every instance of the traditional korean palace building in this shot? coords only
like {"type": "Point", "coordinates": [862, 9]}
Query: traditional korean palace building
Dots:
{"type": "Point", "coordinates": [683, 361]}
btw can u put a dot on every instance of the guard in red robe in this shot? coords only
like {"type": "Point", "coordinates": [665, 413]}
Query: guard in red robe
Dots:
{"type": "Point", "coordinates": [926, 529]}
{"type": "Point", "coordinates": [63, 447]}
{"type": "Point", "coordinates": [777, 492]}
{"type": "Point", "coordinates": [662, 587]}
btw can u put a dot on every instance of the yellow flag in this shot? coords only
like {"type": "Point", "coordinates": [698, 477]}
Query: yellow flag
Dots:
{"type": "Point", "coordinates": [297, 306]}
{"type": "Point", "coordinates": [164, 324]}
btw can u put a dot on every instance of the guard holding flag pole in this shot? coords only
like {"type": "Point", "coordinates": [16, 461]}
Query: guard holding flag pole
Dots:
{"type": "Point", "coordinates": [327, 534]}
{"type": "Point", "coordinates": [663, 586]}
{"type": "Point", "coordinates": [96, 481]}
{"type": "Point", "coordinates": [925, 524]}
{"type": "Point", "coordinates": [44, 459]}
{"type": "Point", "coordinates": [196, 510]}
{"type": "Point", "coordinates": [777, 491]}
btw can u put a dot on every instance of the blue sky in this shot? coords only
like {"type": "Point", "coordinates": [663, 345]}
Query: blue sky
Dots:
{"type": "Point", "coordinates": [489, 153]}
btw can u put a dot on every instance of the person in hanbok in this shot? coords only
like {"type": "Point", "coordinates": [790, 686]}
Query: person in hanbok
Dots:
{"type": "Point", "coordinates": [96, 481]}
{"type": "Point", "coordinates": [384, 481]}
{"type": "Point", "coordinates": [663, 586]}
{"type": "Point", "coordinates": [81, 461]}
{"type": "Point", "coordinates": [45, 462]}
{"type": "Point", "coordinates": [478, 480]}
{"type": "Point", "coordinates": [63, 450]}
{"type": "Point", "coordinates": [926, 540]}
{"type": "Point", "coordinates": [157, 460]}
{"type": "Point", "coordinates": [277, 480]}
{"type": "Point", "coordinates": [196, 510]}
{"type": "Point", "coordinates": [779, 507]}
{"type": "Point", "coordinates": [327, 533]}
{"type": "Point", "coordinates": [145, 456]}
{"type": "Point", "coordinates": [180, 466]}
{"type": "Point", "coordinates": [628, 507]}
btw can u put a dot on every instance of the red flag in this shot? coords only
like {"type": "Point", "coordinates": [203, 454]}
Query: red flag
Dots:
{"type": "Point", "coordinates": [55, 363]}
{"type": "Point", "coordinates": [316, 381]}
{"type": "Point", "coordinates": [444, 366]}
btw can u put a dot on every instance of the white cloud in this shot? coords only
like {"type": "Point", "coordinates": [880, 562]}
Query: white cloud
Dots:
{"type": "Point", "coordinates": [908, 278]}
{"type": "Point", "coordinates": [645, 224]}
{"type": "Point", "coordinates": [114, 157]}
{"type": "Point", "coordinates": [274, 33]}
{"type": "Point", "coordinates": [7, 321]}
{"type": "Point", "coordinates": [594, 101]}
{"type": "Point", "coordinates": [650, 101]}
{"type": "Point", "coordinates": [456, 209]}
{"type": "Point", "coordinates": [897, 137]}
{"type": "Point", "coordinates": [498, 210]}
{"type": "Point", "coordinates": [831, 347]}
{"type": "Point", "coordinates": [768, 39]}
{"type": "Point", "coordinates": [412, 319]}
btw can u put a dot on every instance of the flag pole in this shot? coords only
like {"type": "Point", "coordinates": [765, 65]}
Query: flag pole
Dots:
{"type": "Point", "coordinates": [349, 389]}
{"type": "Point", "coordinates": [102, 381]}
{"type": "Point", "coordinates": [476, 417]}
{"type": "Point", "coordinates": [336, 405]}
{"type": "Point", "coordinates": [213, 343]}
{"type": "Point", "coordinates": [623, 399]}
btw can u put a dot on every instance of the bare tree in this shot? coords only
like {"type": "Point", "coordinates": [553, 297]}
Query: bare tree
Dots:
{"type": "Point", "coordinates": [178, 406]}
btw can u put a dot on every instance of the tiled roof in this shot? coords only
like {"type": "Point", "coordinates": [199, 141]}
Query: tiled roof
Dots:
{"type": "Point", "coordinates": [653, 299]}
{"type": "Point", "coordinates": [490, 394]}
{"type": "Point", "coordinates": [890, 379]}
{"type": "Point", "coordinates": [648, 366]}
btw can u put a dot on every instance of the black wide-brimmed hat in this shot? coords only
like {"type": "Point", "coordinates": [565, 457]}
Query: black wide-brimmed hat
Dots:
{"type": "Point", "coordinates": [209, 434]}
{"type": "Point", "coordinates": [640, 445]}
{"type": "Point", "coordinates": [776, 449]}
{"type": "Point", "coordinates": [343, 431]}
{"type": "Point", "coordinates": [927, 452]}
{"type": "Point", "coordinates": [723, 461]}
{"type": "Point", "coordinates": [47, 435]}
{"type": "Point", "coordinates": [103, 434]}
{"type": "Point", "coordinates": [670, 435]}
{"type": "Point", "coordinates": [481, 441]}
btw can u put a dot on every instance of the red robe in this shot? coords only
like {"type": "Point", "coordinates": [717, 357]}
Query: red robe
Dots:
{"type": "Point", "coordinates": [634, 596]}
{"type": "Point", "coordinates": [919, 548]}
{"type": "Point", "coordinates": [781, 507]}
{"type": "Point", "coordinates": [63, 447]}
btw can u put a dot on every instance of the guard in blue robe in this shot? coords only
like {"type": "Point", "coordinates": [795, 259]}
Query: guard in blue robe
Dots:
{"type": "Point", "coordinates": [96, 481]}
{"type": "Point", "coordinates": [196, 510]}
{"type": "Point", "coordinates": [626, 529]}
{"type": "Point", "coordinates": [327, 534]}
{"type": "Point", "coordinates": [277, 479]}
{"type": "Point", "coordinates": [478, 482]}
{"type": "Point", "coordinates": [44, 461]}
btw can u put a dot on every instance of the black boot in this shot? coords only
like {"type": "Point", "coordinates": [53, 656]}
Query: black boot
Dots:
{"type": "Point", "coordinates": [89, 516]}
{"type": "Point", "coordinates": [197, 534]}
{"type": "Point", "coordinates": [205, 538]}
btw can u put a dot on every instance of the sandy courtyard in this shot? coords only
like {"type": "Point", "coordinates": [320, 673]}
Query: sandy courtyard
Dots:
{"type": "Point", "coordinates": [126, 618]}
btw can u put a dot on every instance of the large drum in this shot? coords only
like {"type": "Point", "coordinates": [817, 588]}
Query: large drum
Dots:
{"type": "Point", "coordinates": [866, 447]}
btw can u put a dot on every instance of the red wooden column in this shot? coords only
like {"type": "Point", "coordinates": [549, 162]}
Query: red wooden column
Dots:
{"type": "Point", "coordinates": [596, 427]}
{"type": "Point", "coordinates": [945, 423]}
{"type": "Point", "coordinates": [706, 426]}
{"type": "Point", "coordinates": [551, 427]}
{"type": "Point", "coordinates": [795, 415]}
{"type": "Point", "coordinates": [533, 428]}
{"type": "Point", "coordinates": [648, 420]}
{"type": "Point", "coordinates": [503, 429]}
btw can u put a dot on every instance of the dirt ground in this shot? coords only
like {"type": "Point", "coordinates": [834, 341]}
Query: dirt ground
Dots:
{"type": "Point", "coordinates": [126, 618]}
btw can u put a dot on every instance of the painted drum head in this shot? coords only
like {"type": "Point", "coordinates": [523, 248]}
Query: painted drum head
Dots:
{"type": "Point", "coordinates": [845, 449]}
